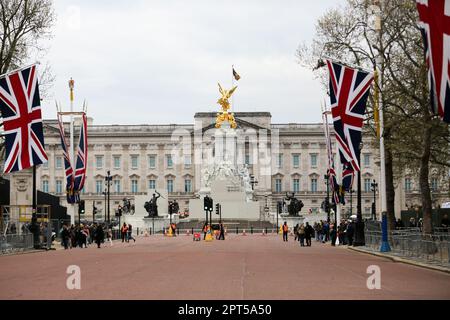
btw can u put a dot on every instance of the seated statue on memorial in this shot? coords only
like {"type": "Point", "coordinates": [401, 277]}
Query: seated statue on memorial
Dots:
{"type": "Point", "coordinates": [295, 205]}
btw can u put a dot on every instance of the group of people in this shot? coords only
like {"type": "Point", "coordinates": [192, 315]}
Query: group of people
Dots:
{"type": "Point", "coordinates": [303, 232]}
{"type": "Point", "coordinates": [83, 235]}
{"type": "Point", "coordinates": [126, 233]}
{"type": "Point", "coordinates": [220, 235]}
{"type": "Point", "coordinates": [323, 231]}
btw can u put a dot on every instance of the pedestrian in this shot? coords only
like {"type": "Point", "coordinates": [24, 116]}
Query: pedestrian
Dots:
{"type": "Point", "coordinates": [222, 232]}
{"type": "Point", "coordinates": [65, 237]}
{"type": "Point", "coordinates": [205, 230]}
{"type": "Point", "coordinates": [123, 232]}
{"type": "Point", "coordinates": [333, 234]}
{"type": "Point", "coordinates": [412, 223]}
{"type": "Point", "coordinates": [99, 235]}
{"type": "Point", "coordinates": [301, 234]}
{"type": "Point", "coordinates": [399, 224]}
{"type": "Point", "coordinates": [295, 232]}
{"type": "Point", "coordinates": [174, 229]}
{"type": "Point", "coordinates": [285, 231]}
{"type": "Point", "coordinates": [83, 236]}
{"type": "Point", "coordinates": [309, 231]}
{"type": "Point", "coordinates": [350, 232]}
{"type": "Point", "coordinates": [130, 233]}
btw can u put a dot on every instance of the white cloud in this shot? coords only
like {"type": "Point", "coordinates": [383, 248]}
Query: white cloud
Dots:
{"type": "Point", "coordinates": [160, 61]}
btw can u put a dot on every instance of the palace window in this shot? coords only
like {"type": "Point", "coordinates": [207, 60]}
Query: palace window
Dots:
{"type": "Point", "coordinates": [280, 160]}
{"type": "Point", "coordinates": [134, 161]}
{"type": "Point", "coordinates": [408, 184]}
{"type": "Point", "coordinates": [152, 184]}
{"type": "Point", "coordinates": [116, 162]}
{"type": "Point", "coordinates": [99, 186]}
{"type": "Point", "coordinates": [45, 186]}
{"type": "Point", "coordinates": [367, 185]}
{"type": "Point", "coordinates": [169, 161]}
{"type": "Point", "coordinates": [367, 160]}
{"type": "Point", "coordinates": [296, 185]}
{"type": "Point", "coordinates": [313, 160]}
{"type": "Point", "coordinates": [187, 161]}
{"type": "Point", "coordinates": [58, 186]}
{"type": "Point", "coordinates": [187, 185]}
{"type": "Point", "coordinates": [134, 186]}
{"type": "Point", "coordinates": [58, 163]}
{"type": "Point", "coordinates": [313, 185]}
{"type": "Point", "coordinates": [152, 161]}
{"type": "Point", "coordinates": [278, 185]}
{"type": "Point", "coordinates": [117, 187]}
{"type": "Point", "coordinates": [295, 160]}
{"type": "Point", "coordinates": [434, 184]}
{"type": "Point", "coordinates": [99, 162]}
{"type": "Point", "coordinates": [170, 186]}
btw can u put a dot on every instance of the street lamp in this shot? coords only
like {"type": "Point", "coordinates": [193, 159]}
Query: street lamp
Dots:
{"type": "Point", "coordinates": [374, 186]}
{"type": "Point", "coordinates": [108, 180]}
{"type": "Point", "coordinates": [105, 193]}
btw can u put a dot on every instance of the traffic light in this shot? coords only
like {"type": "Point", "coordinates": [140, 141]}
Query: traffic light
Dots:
{"type": "Point", "coordinates": [208, 203]}
{"type": "Point", "coordinates": [81, 207]}
{"type": "Point", "coordinates": [217, 208]}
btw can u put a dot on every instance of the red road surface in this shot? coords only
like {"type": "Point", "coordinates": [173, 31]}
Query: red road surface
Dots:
{"type": "Point", "coordinates": [241, 267]}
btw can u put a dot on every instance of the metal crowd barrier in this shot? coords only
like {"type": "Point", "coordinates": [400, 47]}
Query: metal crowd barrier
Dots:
{"type": "Point", "coordinates": [10, 243]}
{"type": "Point", "coordinates": [430, 248]}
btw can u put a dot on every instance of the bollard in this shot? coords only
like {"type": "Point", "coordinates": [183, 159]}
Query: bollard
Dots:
{"type": "Point", "coordinates": [266, 230]}
{"type": "Point", "coordinates": [151, 231]}
{"type": "Point", "coordinates": [237, 230]}
{"type": "Point", "coordinates": [178, 231]}
{"type": "Point", "coordinates": [137, 231]}
{"type": "Point", "coordinates": [192, 230]}
{"type": "Point", "coordinates": [251, 230]}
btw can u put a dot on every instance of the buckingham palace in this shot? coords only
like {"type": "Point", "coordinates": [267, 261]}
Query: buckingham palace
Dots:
{"type": "Point", "coordinates": [281, 158]}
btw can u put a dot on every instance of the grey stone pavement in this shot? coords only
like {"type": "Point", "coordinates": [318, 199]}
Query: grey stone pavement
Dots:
{"type": "Point", "coordinates": [241, 267]}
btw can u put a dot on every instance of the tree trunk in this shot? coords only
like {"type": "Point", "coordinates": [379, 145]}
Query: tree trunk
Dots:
{"type": "Point", "coordinates": [423, 178]}
{"type": "Point", "coordinates": [390, 189]}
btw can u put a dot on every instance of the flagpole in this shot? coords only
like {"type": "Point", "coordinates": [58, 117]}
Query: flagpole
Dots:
{"type": "Point", "coordinates": [34, 224]}
{"type": "Point", "coordinates": [232, 85]}
{"type": "Point", "coordinates": [72, 147]}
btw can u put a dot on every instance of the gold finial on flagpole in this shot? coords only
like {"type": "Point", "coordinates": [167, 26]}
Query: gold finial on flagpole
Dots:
{"type": "Point", "coordinates": [71, 86]}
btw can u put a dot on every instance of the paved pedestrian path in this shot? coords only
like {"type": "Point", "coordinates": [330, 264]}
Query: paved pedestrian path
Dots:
{"type": "Point", "coordinates": [241, 267]}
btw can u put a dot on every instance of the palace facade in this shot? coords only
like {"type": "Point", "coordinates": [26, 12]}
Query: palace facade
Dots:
{"type": "Point", "coordinates": [281, 158]}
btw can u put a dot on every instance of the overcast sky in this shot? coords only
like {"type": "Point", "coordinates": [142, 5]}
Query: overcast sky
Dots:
{"type": "Point", "coordinates": [156, 62]}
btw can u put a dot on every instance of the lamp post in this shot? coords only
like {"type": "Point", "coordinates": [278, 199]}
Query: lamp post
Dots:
{"type": "Point", "coordinates": [374, 186]}
{"type": "Point", "coordinates": [108, 180]}
{"type": "Point", "coordinates": [105, 193]}
{"type": "Point", "coordinates": [327, 200]}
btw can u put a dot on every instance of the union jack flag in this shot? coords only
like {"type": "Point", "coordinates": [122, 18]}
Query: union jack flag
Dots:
{"type": "Point", "coordinates": [67, 164]}
{"type": "Point", "coordinates": [80, 169]}
{"type": "Point", "coordinates": [20, 106]}
{"type": "Point", "coordinates": [349, 90]}
{"type": "Point", "coordinates": [434, 18]}
{"type": "Point", "coordinates": [347, 177]}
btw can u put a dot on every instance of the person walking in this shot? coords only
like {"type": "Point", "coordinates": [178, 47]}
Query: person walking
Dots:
{"type": "Point", "coordinates": [123, 232]}
{"type": "Point", "coordinates": [295, 232]}
{"type": "Point", "coordinates": [333, 234]}
{"type": "Point", "coordinates": [309, 231]}
{"type": "Point", "coordinates": [222, 232]}
{"type": "Point", "coordinates": [205, 230]}
{"type": "Point", "coordinates": [301, 235]}
{"type": "Point", "coordinates": [65, 237]}
{"type": "Point", "coordinates": [350, 232]}
{"type": "Point", "coordinates": [130, 233]}
{"type": "Point", "coordinates": [285, 231]}
{"type": "Point", "coordinates": [99, 235]}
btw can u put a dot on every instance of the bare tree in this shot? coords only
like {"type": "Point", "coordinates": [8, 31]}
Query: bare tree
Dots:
{"type": "Point", "coordinates": [348, 34]}
{"type": "Point", "coordinates": [23, 24]}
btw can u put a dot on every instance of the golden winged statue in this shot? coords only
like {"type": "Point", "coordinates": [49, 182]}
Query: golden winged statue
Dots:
{"type": "Point", "coordinates": [225, 104]}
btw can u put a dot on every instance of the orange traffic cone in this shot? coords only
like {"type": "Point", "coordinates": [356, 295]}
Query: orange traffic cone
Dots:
{"type": "Point", "coordinates": [165, 232]}
{"type": "Point", "coordinates": [243, 233]}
